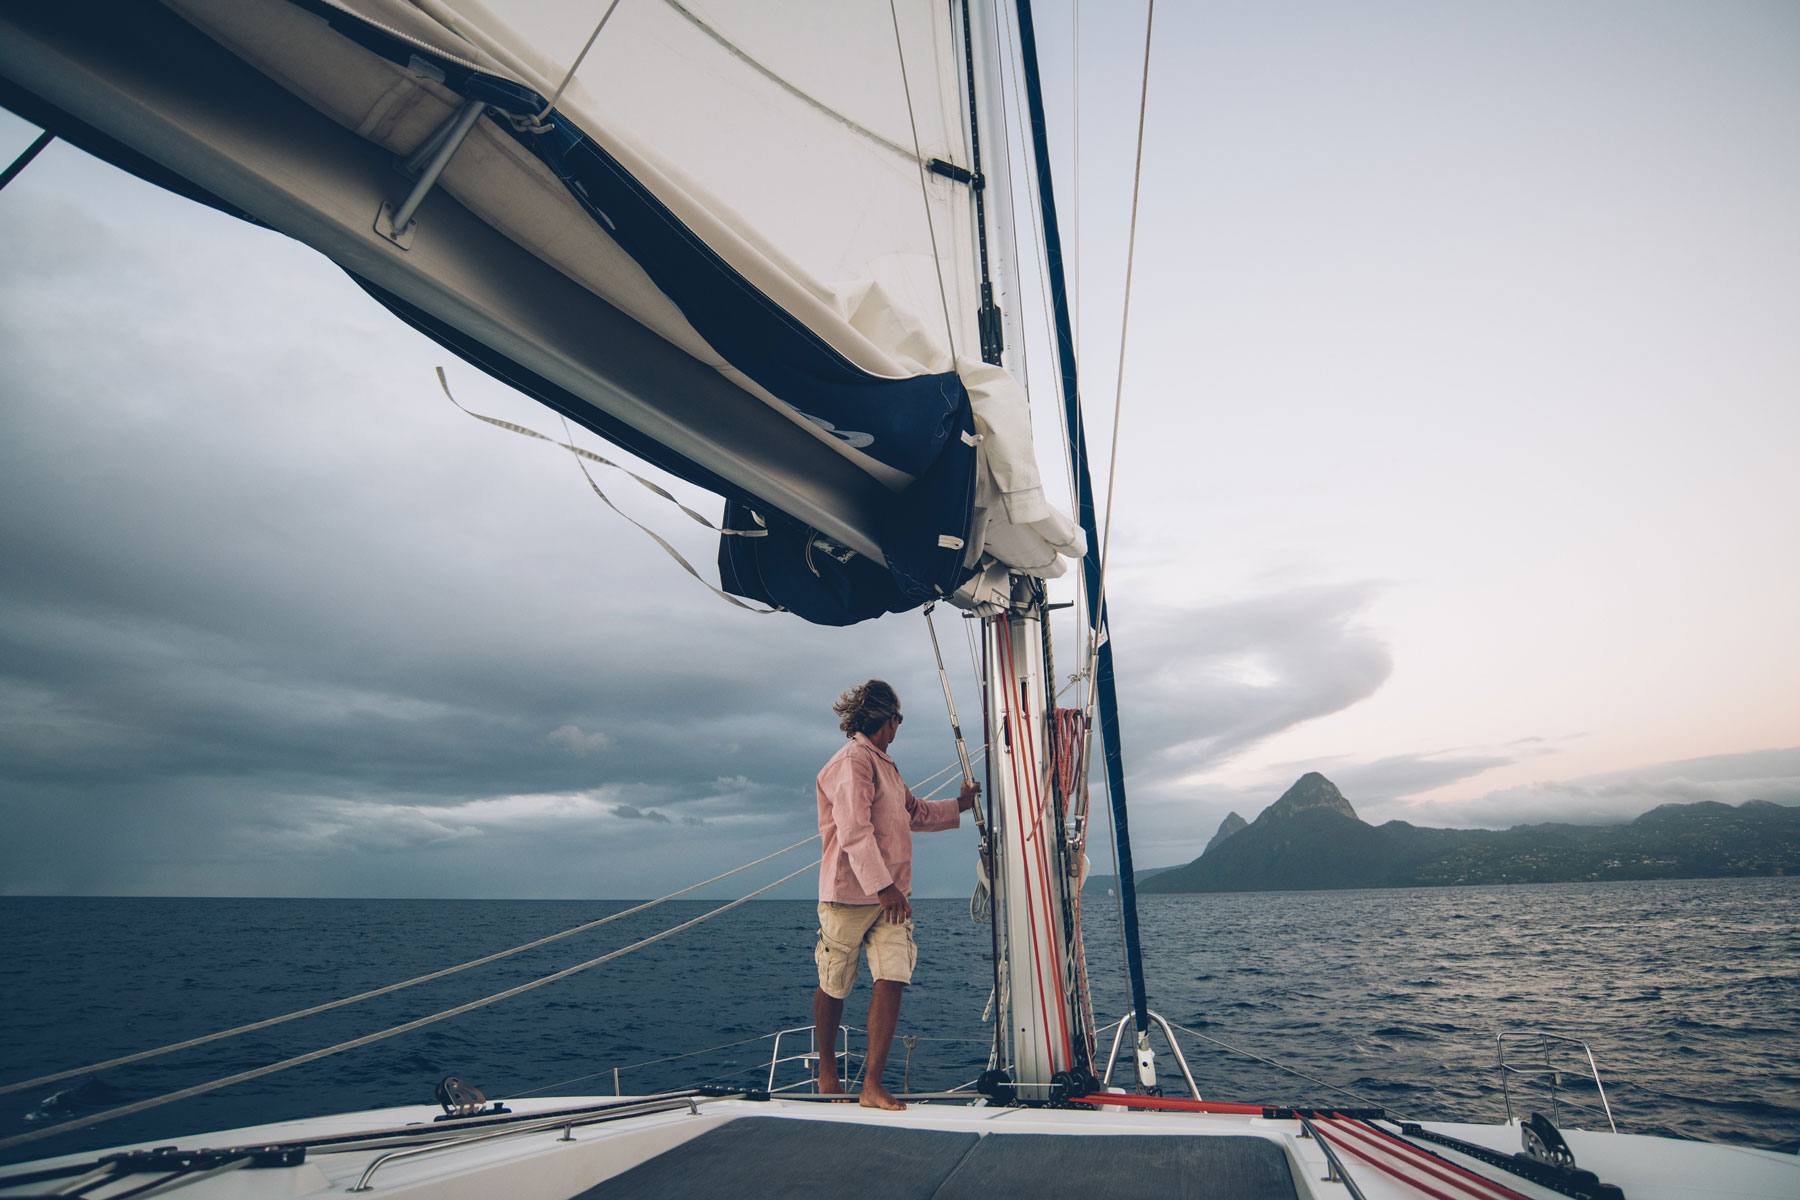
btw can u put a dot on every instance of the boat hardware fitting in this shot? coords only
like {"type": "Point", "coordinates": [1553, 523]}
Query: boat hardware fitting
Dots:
{"type": "Point", "coordinates": [428, 163]}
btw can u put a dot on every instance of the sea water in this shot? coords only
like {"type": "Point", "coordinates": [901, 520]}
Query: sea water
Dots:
{"type": "Point", "coordinates": [1687, 992]}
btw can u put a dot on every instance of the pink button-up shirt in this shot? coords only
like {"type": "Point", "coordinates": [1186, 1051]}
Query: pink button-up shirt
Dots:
{"type": "Point", "coordinates": [866, 816]}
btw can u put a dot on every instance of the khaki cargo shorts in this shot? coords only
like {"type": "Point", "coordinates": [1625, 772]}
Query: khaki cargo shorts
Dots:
{"type": "Point", "coordinates": [844, 930]}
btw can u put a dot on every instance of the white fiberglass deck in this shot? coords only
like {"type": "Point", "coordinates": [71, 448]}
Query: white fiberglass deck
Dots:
{"type": "Point", "coordinates": [788, 1148]}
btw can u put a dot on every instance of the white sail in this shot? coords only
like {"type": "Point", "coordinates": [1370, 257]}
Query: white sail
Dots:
{"type": "Point", "coordinates": [781, 201]}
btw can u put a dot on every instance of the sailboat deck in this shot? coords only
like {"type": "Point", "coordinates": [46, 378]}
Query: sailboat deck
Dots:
{"type": "Point", "coordinates": [777, 1157]}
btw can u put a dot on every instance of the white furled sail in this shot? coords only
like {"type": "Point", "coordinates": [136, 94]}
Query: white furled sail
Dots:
{"type": "Point", "coordinates": [745, 242]}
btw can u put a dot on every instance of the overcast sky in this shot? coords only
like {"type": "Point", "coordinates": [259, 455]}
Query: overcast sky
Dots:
{"type": "Point", "coordinates": [1462, 408]}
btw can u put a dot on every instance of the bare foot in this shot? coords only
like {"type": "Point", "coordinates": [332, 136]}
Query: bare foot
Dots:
{"type": "Point", "coordinates": [829, 1086]}
{"type": "Point", "coordinates": [876, 1096]}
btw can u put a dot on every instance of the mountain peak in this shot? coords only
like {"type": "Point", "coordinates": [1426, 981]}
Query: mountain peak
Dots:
{"type": "Point", "coordinates": [1311, 791]}
{"type": "Point", "coordinates": [1230, 825]}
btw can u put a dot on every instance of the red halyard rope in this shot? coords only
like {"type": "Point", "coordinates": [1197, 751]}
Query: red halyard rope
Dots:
{"type": "Point", "coordinates": [1470, 1183]}
{"type": "Point", "coordinates": [1430, 1163]}
{"type": "Point", "coordinates": [1339, 1132]}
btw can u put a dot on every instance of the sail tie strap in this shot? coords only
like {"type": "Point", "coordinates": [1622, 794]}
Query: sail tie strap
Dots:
{"type": "Point", "coordinates": [589, 455]}
{"type": "Point", "coordinates": [406, 1027]}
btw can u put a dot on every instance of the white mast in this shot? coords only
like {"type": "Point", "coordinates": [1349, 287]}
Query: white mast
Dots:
{"type": "Point", "coordinates": [1045, 1031]}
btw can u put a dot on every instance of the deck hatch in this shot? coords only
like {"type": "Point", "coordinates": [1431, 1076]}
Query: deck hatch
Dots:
{"type": "Point", "coordinates": [753, 1158]}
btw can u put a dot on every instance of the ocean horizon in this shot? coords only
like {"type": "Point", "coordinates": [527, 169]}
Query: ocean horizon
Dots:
{"type": "Point", "coordinates": [1685, 990]}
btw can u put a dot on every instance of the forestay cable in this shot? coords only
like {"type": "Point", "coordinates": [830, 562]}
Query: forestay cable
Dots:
{"type": "Point", "coordinates": [243, 1076]}
{"type": "Point", "coordinates": [92, 1068]}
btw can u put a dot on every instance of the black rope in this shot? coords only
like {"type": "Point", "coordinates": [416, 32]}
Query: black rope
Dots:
{"type": "Point", "coordinates": [24, 160]}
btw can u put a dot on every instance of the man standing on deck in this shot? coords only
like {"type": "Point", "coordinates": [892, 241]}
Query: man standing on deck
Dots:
{"type": "Point", "coordinates": [866, 818]}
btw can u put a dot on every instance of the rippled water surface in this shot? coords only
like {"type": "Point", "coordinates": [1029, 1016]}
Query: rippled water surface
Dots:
{"type": "Point", "coordinates": [1687, 991]}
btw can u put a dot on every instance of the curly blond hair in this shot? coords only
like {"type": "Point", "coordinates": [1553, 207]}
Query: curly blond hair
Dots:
{"type": "Point", "coordinates": [866, 708]}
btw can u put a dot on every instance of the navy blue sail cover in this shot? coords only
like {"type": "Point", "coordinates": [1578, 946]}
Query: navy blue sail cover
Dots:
{"type": "Point", "coordinates": [922, 535]}
{"type": "Point", "coordinates": [921, 425]}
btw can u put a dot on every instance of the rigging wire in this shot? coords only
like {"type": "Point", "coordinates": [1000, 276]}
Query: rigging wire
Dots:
{"type": "Point", "coordinates": [1112, 470]}
{"type": "Point", "coordinates": [1099, 618]}
{"type": "Point", "coordinates": [406, 1027]}
{"type": "Point", "coordinates": [92, 1068]}
{"type": "Point", "coordinates": [937, 260]}
{"type": "Point", "coordinates": [141, 1056]}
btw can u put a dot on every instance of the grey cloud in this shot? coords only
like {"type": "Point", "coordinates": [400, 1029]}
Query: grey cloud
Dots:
{"type": "Point", "coordinates": [574, 739]}
{"type": "Point", "coordinates": [631, 813]}
{"type": "Point", "coordinates": [1375, 786]}
{"type": "Point", "coordinates": [283, 620]}
{"type": "Point", "coordinates": [263, 615]}
{"type": "Point", "coordinates": [1210, 681]}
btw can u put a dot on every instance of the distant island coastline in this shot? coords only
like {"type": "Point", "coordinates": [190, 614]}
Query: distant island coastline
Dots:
{"type": "Point", "coordinates": [1311, 840]}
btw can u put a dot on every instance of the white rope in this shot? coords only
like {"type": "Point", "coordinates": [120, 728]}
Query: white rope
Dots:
{"type": "Point", "coordinates": [366, 1039]}
{"type": "Point", "coordinates": [981, 902]}
{"type": "Point", "coordinates": [581, 454]}
{"type": "Point", "coordinates": [92, 1068]}
{"type": "Point", "coordinates": [1100, 618]}
{"type": "Point", "coordinates": [576, 65]}
{"type": "Point", "coordinates": [937, 260]}
{"type": "Point", "coordinates": [811, 101]}
{"type": "Point", "coordinates": [974, 758]}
